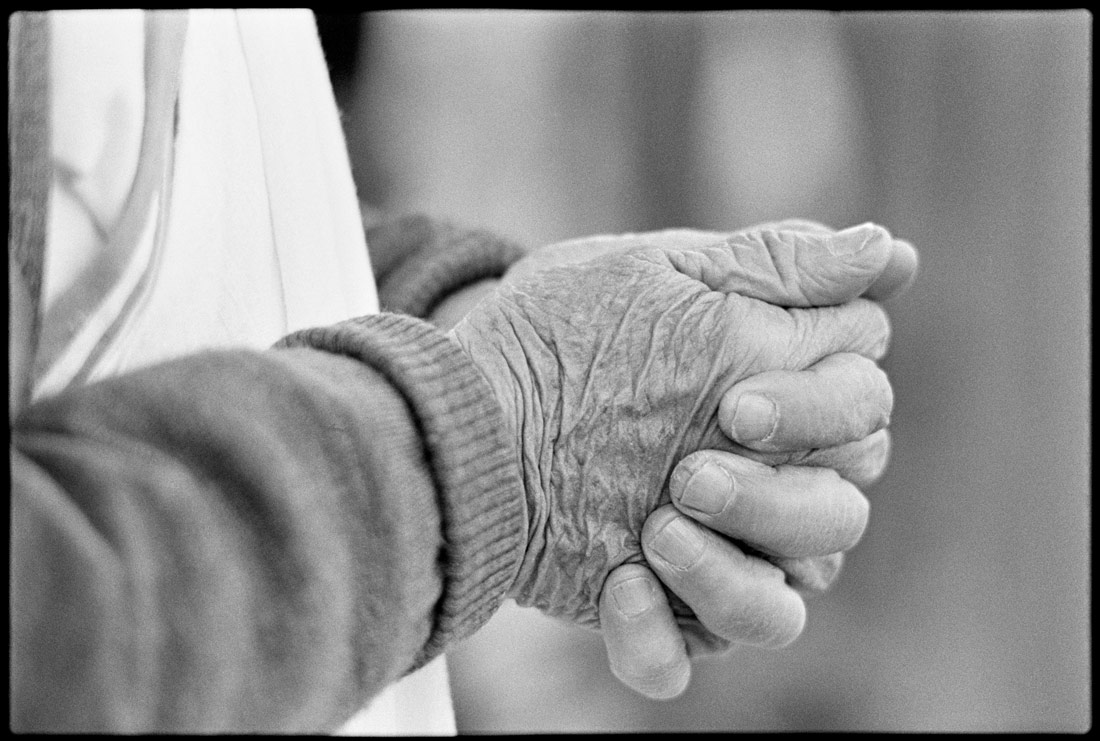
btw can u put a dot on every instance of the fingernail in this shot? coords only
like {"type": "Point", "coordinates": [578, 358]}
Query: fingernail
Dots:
{"type": "Point", "coordinates": [678, 544]}
{"type": "Point", "coordinates": [754, 418]}
{"type": "Point", "coordinates": [852, 240]}
{"type": "Point", "coordinates": [633, 596]}
{"type": "Point", "coordinates": [678, 481]}
{"type": "Point", "coordinates": [709, 490]}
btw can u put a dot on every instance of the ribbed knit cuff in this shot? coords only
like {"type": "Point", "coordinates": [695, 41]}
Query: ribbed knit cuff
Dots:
{"type": "Point", "coordinates": [441, 258]}
{"type": "Point", "coordinates": [472, 458]}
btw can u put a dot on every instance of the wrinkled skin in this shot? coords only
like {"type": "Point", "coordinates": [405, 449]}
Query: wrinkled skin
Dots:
{"type": "Point", "coordinates": [611, 371]}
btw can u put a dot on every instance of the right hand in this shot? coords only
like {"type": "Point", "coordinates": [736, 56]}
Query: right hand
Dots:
{"type": "Point", "coordinates": [612, 371]}
{"type": "Point", "coordinates": [710, 580]}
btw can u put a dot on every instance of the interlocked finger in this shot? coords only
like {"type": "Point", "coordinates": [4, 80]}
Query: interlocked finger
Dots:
{"type": "Point", "coordinates": [796, 339]}
{"type": "Point", "coordinates": [645, 648]}
{"type": "Point", "coordinates": [787, 511]}
{"type": "Point", "coordinates": [841, 399]}
{"type": "Point", "coordinates": [740, 597]}
{"type": "Point", "coordinates": [860, 326]}
{"type": "Point", "coordinates": [861, 462]}
{"type": "Point", "coordinates": [812, 574]}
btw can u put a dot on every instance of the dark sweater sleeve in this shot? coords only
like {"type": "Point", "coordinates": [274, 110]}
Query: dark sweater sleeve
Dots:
{"type": "Point", "coordinates": [256, 541]}
{"type": "Point", "coordinates": [419, 260]}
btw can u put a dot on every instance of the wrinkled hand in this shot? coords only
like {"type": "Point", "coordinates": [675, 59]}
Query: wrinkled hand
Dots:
{"type": "Point", "coordinates": [613, 370]}
{"type": "Point", "coordinates": [823, 415]}
{"type": "Point", "coordinates": [894, 278]}
{"type": "Point", "coordinates": [733, 521]}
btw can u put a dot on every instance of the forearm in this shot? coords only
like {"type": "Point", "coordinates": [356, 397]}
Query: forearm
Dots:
{"type": "Point", "coordinates": [255, 541]}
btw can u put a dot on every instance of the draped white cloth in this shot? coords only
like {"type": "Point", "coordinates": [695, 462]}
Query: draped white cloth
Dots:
{"type": "Point", "coordinates": [202, 198]}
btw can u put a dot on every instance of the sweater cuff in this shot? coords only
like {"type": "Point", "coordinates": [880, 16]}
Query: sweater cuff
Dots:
{"type": "Point", "coordinates": [439, 259]}
{"type": "Point", "coordinates": [472, 459]}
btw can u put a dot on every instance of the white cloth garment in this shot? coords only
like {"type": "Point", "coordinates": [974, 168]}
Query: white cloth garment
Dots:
{"type": "Point", "coordinates": [201, 198]}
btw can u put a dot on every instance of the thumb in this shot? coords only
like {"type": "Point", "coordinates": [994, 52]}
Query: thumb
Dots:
{"type": "Point", "coordinates": [798, 268]}
{"type": "Point", "coordinates": [898, 274]}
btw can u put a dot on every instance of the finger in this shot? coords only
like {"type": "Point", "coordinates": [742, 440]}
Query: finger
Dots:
{"type": "Point", "coordinates": [739, 597]}
{"type": "Point", "coordinates": [791, 268]}
{"type": "Point", "coordinates": [811, 575]}
{"type": "Point", "coordinates": [644, 646]}
{"type": "Point", "coordinates": [898, 275]}
{"type": "Point", "coordinates": [859, 326]}
{"type": "Point", "coordinates": [896, 278]}
{"type": "Point", "coordinates": [788, 511]}
{"type": "Point", "coordinates": [697, 639]}
{"type": "Point", "coordinates": [843, 398]}
{"type": "Point", "coordinates": [861, 462]}
{"type": "Point", "coordinates": [795, 339]}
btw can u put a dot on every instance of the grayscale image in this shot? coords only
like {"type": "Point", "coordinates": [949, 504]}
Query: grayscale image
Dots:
{"type": "Point", "coordinates": [462, 372]}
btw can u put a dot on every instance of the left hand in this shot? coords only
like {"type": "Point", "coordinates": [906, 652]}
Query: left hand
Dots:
{"type": "Point", "coordinates": [896, 276]}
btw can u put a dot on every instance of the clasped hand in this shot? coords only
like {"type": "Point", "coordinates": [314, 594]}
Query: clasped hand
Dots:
{"type": "Point", "coordinates": [697, 407]}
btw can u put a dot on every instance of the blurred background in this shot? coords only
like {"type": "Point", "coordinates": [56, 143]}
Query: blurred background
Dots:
{"type": "Point", "coordinates": [967, 605]}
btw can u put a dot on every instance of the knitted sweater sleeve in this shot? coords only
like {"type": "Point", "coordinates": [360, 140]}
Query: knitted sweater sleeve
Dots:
{"type": "Point", "coordinates": [256, 541]}
{"type": "Point", "coordinates": [420, 261]}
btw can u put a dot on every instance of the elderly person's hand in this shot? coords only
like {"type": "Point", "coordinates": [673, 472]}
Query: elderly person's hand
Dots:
{"type": "Point", "coordinates": [613, 370]}
{"type": "Point", "coordinates": [829, 416]}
